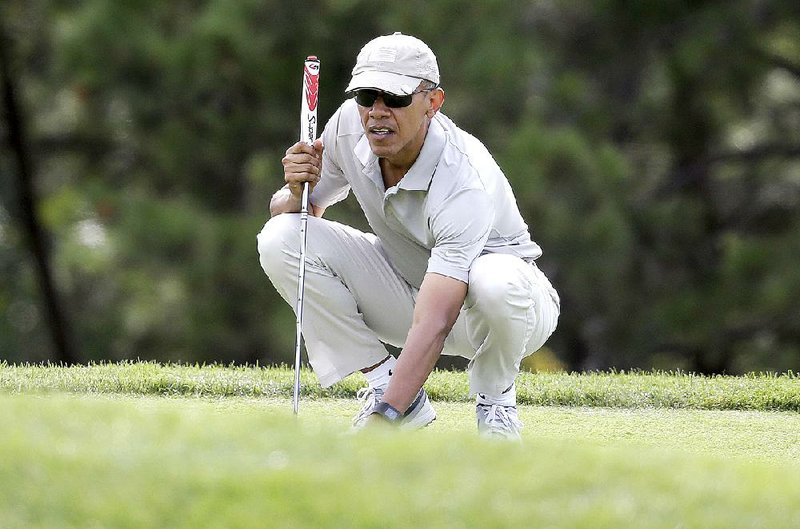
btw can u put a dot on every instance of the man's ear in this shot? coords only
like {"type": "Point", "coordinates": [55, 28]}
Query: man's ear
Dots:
{"type": "Point", "coordinates": [436, 101]}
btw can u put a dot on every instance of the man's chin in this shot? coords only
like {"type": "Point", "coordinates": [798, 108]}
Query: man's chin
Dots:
{"type": "Point", "coordinates": [381, 150]}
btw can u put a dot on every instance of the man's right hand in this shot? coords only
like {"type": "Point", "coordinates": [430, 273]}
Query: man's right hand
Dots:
{"type": "Point", "coordinates": [302, 163]}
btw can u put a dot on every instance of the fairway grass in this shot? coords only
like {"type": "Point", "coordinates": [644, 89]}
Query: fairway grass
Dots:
{"type": "Point", "coordinates": [113, 461]}
{"type": "Point", "coordinates": [763, 392]}
{"type": "Point", "coordinates": [143, 445]}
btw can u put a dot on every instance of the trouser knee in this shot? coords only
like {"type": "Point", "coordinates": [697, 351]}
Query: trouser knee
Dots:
{"type": "Point", "coordinates": [495, 291]}
{"type": "Point", "coordinates": [278, 237]}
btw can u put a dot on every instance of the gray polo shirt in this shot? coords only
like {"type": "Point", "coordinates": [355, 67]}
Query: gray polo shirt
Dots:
{"type": "Point", "coordinates": [453, 205]}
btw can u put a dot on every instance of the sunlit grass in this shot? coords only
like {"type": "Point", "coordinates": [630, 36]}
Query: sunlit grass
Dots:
{"type": "Point", "coordinates": [147, 445]}
{"type": "Point", "coordinates": [77, 461]}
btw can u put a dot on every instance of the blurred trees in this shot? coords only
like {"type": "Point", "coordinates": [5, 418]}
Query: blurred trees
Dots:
{"type": "Point", "coordinates": [671, 131]}
{"type": "Point", "coordinates": [654, 148]}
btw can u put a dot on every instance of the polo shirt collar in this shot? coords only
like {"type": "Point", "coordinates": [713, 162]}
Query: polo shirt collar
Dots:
{"type": "Point", "coordinates": [418, 178]}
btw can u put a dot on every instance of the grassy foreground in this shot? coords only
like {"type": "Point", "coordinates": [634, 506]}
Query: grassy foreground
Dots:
{"type": "Point", "coordinates": [100, 446]}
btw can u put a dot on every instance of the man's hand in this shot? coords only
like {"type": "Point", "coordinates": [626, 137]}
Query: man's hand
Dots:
{"type": "Point", "coordinates": [302, 163]}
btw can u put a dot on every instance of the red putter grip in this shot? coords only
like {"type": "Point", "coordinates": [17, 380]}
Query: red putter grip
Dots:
{"type": "Point", "coordinates": [308, 117]}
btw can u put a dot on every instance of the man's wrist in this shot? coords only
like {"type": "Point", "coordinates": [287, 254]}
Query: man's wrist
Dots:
{"type": "Point", "coordinates": [388, 412]}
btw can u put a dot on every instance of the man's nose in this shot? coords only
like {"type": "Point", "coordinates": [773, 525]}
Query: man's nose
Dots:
{"type": "Point", "coordinates": [379, 106]}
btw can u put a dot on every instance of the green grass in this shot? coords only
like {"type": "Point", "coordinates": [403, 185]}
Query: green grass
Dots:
{"type": "Point", "coordinates": [145, 445]}
{"type": "Point", "coordinates": [764, 392]}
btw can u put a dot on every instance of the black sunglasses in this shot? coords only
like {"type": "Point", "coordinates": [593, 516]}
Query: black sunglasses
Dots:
{"type": "Point", "coordinates": [367, 98]}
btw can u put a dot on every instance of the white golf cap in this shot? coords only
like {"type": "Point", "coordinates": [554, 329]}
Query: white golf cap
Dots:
{"type": "Point", "coordinates": [395, 64]}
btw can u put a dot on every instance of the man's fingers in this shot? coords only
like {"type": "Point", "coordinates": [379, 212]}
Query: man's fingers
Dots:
{"type": "Point", "coordinates": [299, 148]}
{"type": "Point", "coordinates": [296, 174]}
{"type": "Point", "coordinates": [302, 163]}
{"type": "Point", "coordinates": [300, 160]}
{"type": "Point", "coordinates": [314, 150]}
{"type": "Point", "coordinates": [299, 175]}
{"type": "Point", "coordinates": [301, 168]}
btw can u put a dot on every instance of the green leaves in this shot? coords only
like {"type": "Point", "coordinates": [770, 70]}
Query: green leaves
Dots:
{"type": "Point", "coordinates": [652, 148]}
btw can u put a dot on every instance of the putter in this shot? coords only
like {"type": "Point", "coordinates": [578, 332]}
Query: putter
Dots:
{"type": "Point", "coordinates": [308, 133]}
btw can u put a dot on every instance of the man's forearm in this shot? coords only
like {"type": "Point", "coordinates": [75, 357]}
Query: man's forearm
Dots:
{"type": "Point", "coordinates": [438, 303]}
{"type": "Point", "coordinates": [418, 358]}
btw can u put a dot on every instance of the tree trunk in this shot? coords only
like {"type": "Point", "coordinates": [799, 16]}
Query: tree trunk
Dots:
{"type": "Point", "coordinates": [32, 228]}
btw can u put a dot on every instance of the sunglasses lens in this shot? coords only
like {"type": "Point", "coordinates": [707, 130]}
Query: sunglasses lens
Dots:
{"type": "Point", "coordinates": [396, 101]}
{"type": "Point", "coordinates": [366, 98]}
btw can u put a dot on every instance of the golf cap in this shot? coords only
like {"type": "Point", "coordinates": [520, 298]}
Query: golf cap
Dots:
{"type": "Point", "coordinates": [395, 64]}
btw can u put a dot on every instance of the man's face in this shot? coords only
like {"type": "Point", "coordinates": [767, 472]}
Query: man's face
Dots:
{"type": "Point", "coordinates": [397, 134]}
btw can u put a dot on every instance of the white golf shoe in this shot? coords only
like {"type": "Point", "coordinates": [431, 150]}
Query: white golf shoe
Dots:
{"type": "Point", "coordinates": [496, 421]}
{"type": "Point", "coordinates": [418, 415]}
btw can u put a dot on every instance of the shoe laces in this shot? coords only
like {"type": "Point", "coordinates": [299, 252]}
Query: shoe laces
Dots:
{"type": "Point", "coordinates": [370, 397]}
{"type": "Point", "coordinates": [500, 421]}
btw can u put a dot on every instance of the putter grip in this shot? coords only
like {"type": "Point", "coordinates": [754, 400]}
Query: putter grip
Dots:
{"type": "Point", "coordinates": [308, 113]}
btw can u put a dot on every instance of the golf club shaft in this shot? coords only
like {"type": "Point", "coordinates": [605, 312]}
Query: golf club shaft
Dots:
{"type": "Point", "coordinates": [301, 276]}
{"type": "Point", "coordinates": [308, 133]}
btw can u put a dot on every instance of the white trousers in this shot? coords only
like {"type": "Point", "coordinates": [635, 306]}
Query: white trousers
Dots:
{"type": "Point", "coordinates": [354, 302]}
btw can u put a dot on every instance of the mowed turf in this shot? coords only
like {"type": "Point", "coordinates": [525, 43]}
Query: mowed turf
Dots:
{"type": "Point", "coordinates": [85, 460]}
{"type": "Point", "coordinates": [761, 392]}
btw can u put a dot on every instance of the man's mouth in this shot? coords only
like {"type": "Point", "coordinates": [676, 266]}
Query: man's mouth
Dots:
{"type": "Point", "coordinates": [380, 131]}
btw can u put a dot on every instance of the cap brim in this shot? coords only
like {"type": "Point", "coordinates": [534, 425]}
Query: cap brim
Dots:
{"type": "Point", "coordinates": [384, 81]}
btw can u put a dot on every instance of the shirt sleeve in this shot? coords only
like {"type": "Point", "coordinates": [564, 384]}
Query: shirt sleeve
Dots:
{"type": "Point", "coordinates": [332, 186]}
{"type": "Point", "coordinates": [460, 228]}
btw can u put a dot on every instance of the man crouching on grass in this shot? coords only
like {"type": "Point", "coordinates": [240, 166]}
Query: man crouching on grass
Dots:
{"type": "Point", "coordinates": [449, 268]}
